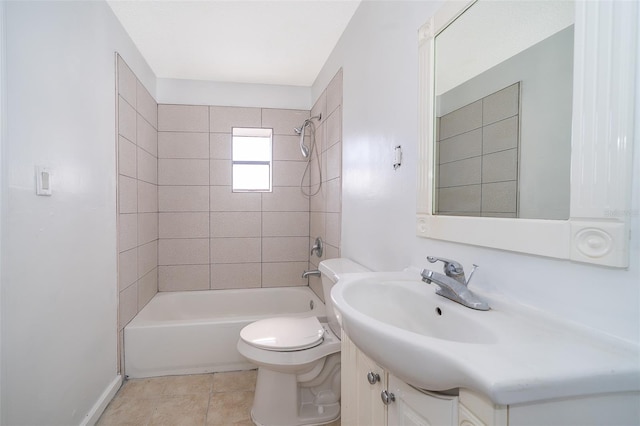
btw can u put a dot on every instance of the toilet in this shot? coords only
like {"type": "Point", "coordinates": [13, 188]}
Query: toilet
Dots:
{"type": "Point", "coordinates": [298, 361]}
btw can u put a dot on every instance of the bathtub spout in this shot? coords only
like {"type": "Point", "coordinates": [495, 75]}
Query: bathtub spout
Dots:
{"type": "Point", "coordinates": [315, 273]}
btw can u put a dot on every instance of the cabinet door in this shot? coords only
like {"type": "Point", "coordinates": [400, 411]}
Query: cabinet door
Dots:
{"type": "Point", "coordinates": [349, 382]}
{"type": "Point", "coordinates": [371, 411]}
{"type": "Point", "coordinates": [413, 407]}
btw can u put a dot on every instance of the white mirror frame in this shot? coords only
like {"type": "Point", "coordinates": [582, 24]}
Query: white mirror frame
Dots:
{"type": "Point", "coordinates": [601, 146]}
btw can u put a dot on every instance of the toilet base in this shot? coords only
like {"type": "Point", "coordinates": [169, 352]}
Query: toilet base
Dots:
{"type": "Point", "coordinates": [281, 400]}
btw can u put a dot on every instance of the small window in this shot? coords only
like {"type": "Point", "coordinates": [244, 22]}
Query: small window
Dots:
{"type": "Point", "coordinates": [251, 159]}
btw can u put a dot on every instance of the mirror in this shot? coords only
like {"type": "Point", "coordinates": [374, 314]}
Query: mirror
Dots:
{"type": "Point", "coordinates": [503, 117]}
{"type": "Point", "coordinates": [587, 218]}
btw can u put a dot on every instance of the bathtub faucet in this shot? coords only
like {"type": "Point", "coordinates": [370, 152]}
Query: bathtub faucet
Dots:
{"type": "Point", "coordinates": [315, 273]}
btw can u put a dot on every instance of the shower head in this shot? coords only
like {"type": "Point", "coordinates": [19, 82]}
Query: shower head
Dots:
{"type": "Point", "coordinates": [300, 130]}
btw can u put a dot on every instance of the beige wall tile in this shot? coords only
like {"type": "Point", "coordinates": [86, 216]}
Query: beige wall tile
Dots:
{"type": "Point", "coordinates": [183, 277]}
{"type": "Point", "coordinates": [147, 106]}
{"type": "Point", "coordinates": [147, 258]}
{"type": "Point", "coordinates": [235, 224]}
{"type": "Point", "coordinates": [315, 283]}
{"type": "Point", "coordinates": [220, 172]}
{"type": "Point", "coordinates": [333, 230]}
{"type": "Point", "coordinates": [126, 82]}
{"type": "Point", "coordinates": [126, 120]}
{"type": "Point", "coordinates": [127, 268]}
{"type": "Point", "coordinates": [239, 275]}
{"type": "Point", "coordinates": [288, 199]}
{"type": "Point", "coordinates": [147, 197]}
{"type": "Point", "coordinates": [235, 250]}
{"type": "Point", "coordinates": [458, 173]}
{"type": "Point", "coordinates": [127, 231]}
{"type": "Point", "coordinates": [222, 199]}
{"type": "Point", "coordinates": [331, 252]}
{"type": "Point", "coordinates": [147, 136]}
{"type": "Point", "coordinates": [147, 167]}
{"type": "Point", "coordinates": [317, 225]}
{"type": "Point", "coordinates": [317, 202]}
{"type": "Point", "coordinates": [461, 120]}
{"type": "Point", "coordinates": [127, 305]}
{"type": "Point", "coordinates": [183, 118]}
{"type": "Point", "coordinates": [183, 172]}
{"type": "Point", "coordinates": [127, 195]}
{"type": "Point", "coordinates": [459, 147]}
{"type": "Point", "coordinates": [183, 145]}
{"type": "Point", "coordinates": [500, 166]}
{"type": "Point", "coordinates": [289, 173]}
{"type": "Point", "coordinates": [184, 225]}
{"type": "Point", "coordinates": [501, 105]}
{"type": "Point", "coordinates": [283, 121]}
{"type": "Point", "coordinates": [285, 249]}
{"type": "Point", "coordinates": [147, 227]}
{"type": "Point", "coordinates": [334, 92]}
{"type": "Point", "coordinates": [285, 224]}
{"type": "Point", "coordinates": [499, 197]}
{"type": "Point", "coordinates": [334, 196]}
{"type": "Point", "coordinates": [222, 118]}
{"type": "Point", "coordinates": [321, 132]}
{"type": "Point", "coordinates": [183, 198]}
{"type": "Point", "coordinates": [333, 128]}
{"type": "Point", "coordinates": [459, 199]}
{"type": "Point", "coordinates": [283, 274]}
{"type": "Point", "coordinates": [183, 251]}
{"type": "Point", "coordinates": [288, 147]}
{"type": "Point", "coordinates": [320, 107]}
{"type": "Point", "coordinates": [147, 288]}
{"type": "Point", "coordinates": [220, 146]}
{"type": "Point", "coordinates": [334, 161]}
{"type": "Point", "coordinates": [127, 163]}
{"type": "Point", "coordinates": [500, 136]}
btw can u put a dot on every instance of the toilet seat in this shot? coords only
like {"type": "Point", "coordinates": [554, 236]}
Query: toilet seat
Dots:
{"type": "Point", "coordinates": [284, 334]}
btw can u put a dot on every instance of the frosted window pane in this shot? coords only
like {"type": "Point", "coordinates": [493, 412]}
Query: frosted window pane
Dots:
{"type": "Point", "coordinates": [251, 177]}
{"type": "Point", "coordinates": [251, 148]}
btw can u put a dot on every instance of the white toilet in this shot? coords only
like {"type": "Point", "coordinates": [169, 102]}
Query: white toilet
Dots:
{"type": "Point", "coordinates": [298, 361]}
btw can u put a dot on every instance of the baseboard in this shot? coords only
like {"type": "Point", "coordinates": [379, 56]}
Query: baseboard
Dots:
{"type": "Point", "coordinates": [98, 408]}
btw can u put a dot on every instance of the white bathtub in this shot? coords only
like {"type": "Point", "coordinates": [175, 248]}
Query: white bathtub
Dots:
{"type": "Point", "coordinates": [191, 332]}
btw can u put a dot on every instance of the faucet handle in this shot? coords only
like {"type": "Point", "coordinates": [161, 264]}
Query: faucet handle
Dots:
{"type": "Point", "coordinates": [451, 267]}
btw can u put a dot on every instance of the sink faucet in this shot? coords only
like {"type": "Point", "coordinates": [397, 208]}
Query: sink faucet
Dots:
{"type": "Point", "coordinates": [453, 284]}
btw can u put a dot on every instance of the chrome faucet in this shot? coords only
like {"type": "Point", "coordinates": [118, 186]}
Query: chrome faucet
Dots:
{"type": "Point", "coordinates": [453, 284]}
{"type": "Point", "coordinates": [307, 274]}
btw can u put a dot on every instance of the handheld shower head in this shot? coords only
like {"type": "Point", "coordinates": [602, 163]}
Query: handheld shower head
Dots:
{"type": "Point", "coordinates": [303, 148]}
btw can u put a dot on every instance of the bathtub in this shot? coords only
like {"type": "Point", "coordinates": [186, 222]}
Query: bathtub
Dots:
{"type": "Point", "coordinates": [192, 332]}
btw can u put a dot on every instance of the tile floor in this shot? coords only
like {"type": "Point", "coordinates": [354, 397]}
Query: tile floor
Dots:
{"type": "Point", "coordinates": [201, 399]}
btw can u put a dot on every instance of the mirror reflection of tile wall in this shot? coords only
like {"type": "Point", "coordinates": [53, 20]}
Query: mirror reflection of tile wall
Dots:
{"type": "Point", "coordinates": [477, 157]}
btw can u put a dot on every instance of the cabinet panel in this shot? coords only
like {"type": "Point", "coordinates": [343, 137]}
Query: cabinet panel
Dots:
{"type": "Point", "coordinates": [371, 410]}
{"type": "Point", "coordinates": [417, 408]}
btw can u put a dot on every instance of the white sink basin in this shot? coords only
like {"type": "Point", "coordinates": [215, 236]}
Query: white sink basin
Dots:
{"type": "Point", "coordinates": [434, 343]}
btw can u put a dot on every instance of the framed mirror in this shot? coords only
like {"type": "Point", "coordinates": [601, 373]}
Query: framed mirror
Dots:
{"type": "Point", "coordinates": [526, 127]}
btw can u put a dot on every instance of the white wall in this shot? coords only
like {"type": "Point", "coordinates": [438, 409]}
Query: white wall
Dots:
{"type": "Point", "coordinates": [59, 253]}
{"type": "Point", "coordinates": [379, 56]}
{"type": "Point", "coordinates": [195, 92]}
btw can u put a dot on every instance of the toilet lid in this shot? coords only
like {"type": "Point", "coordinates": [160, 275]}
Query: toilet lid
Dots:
{"type": "Point", "coordinates": [284, 334]}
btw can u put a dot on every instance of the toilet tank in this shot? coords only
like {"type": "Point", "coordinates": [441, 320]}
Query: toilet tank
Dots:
{"type": "Point", "coordinates": [331, 270]}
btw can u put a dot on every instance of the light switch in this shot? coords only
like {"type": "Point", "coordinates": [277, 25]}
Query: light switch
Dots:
{"type": "Point", "coordinates": [43, 181]}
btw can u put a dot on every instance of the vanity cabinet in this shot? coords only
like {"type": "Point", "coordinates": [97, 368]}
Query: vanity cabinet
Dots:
{"type": "Point", "coordinates": [366, 385]}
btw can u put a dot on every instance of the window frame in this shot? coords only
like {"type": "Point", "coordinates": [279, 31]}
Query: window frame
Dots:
{"type": "Point", "coordinates": [259, 132]}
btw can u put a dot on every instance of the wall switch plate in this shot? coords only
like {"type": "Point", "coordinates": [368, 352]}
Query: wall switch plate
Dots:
{"type": "Point", "coordinates": [43, 181]}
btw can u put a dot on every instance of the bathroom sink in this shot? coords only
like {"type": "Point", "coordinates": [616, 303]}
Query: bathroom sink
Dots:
{"type": "Point", "coordinates": [511, 355]}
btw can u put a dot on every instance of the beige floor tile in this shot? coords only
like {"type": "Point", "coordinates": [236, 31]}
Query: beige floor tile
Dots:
{"type": "Point", "coordinates": [183, 410]}
{"type": "Point", "coordinates": [127, 411]}
{"type": "Point", "coordinates": [227, 408]}
{"type": "Point", "coordinates": [235, 381]}
{"type": "Point", "coordinates": [142, 388]}
{"type": "Point", "coordinates": [185, 385]}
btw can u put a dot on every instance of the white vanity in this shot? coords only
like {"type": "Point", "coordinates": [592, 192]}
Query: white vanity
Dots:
{"type": "Point", "coordinates": [411, 357]}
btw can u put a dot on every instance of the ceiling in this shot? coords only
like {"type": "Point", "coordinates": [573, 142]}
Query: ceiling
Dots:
{"type": "Point", "coordinates": [263, 42]}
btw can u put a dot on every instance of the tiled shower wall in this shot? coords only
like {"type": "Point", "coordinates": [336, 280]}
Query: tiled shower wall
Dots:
{"type": "Point", "coordinates": [477, 149]}
{"type": "Point", "coordinates": [137, 196]}
{"type": "Point", "coordinates": [211, 237]}
{"type": "Point", "coordinates": [326, 207]}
